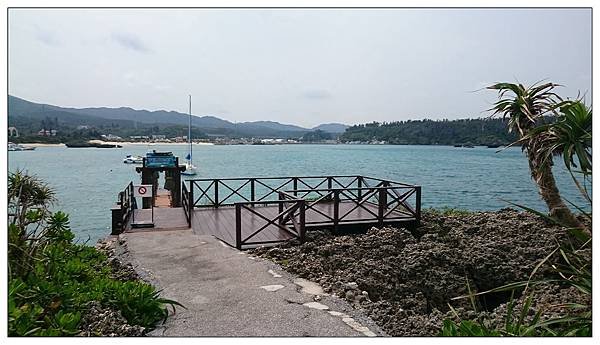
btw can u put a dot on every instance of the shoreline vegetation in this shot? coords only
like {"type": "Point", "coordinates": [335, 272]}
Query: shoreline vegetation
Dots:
{"type": "Point", "coordinates": [60, 287]}
{"type": "Point", "coordinates": [123, 143]}
{"type": "Point", "coordinates": [151, 143]}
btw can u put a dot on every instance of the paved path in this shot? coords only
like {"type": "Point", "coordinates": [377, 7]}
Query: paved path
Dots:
{"type": "Point", "coordinates": [230, 293]}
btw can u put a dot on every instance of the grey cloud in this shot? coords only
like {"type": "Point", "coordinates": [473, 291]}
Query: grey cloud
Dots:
{"type": "Point", "coordinates": [317, 94]}
{"type": "Point", "coordinates": [294, 66]}
{"type": "Point", "coordinates": [130, 41]}
{"type": "Point", "coordinates": [46, 37]}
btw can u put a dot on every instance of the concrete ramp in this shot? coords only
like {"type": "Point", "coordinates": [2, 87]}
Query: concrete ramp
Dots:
{"type": "Point", "coordinates": [229, 293]}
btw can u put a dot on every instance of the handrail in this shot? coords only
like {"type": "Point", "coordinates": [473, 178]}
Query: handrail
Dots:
{"type": "Point", "coordinates": [350, 188]}
{"type": "Point", "coordinates": [123, 210]}
{"type": "Point", "coordinates": [377, 199]}
{"type": "Point", "coordinates": [218, 192]}
{"type": "Point", "coordinates": [268, 177]}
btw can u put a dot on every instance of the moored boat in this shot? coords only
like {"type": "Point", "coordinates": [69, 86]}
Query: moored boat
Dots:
{"type": "Point", "coordinates": [133, 159]}
{"type": "Point", "coordinates": [190, 168]}
{"type": "Point", "coordinates": [17, 147]}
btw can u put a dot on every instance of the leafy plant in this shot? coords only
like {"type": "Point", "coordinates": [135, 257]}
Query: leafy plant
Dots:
{"type": "Point", "coordinates": [526, 108]}
{"type": "Point", "coordinates": [514, 324]}
{"type": "Point", "coordinates": [570, 136]}
{"type": "Point", "coordinates": [52, 280]}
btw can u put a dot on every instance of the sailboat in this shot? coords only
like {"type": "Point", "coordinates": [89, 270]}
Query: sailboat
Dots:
{"type": "Point", "coordinates": [190, 168]}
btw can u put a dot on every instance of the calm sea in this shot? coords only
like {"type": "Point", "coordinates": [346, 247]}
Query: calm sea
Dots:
{"type": "Point", "coordinates": [87, 180]}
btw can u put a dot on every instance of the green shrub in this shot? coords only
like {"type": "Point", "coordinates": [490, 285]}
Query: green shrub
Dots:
{"type": "Point", "coordinates": [52, 280]}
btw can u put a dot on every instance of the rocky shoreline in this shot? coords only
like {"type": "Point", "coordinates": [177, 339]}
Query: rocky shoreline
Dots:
{"type": "Point", "coordinates": [406, 284]}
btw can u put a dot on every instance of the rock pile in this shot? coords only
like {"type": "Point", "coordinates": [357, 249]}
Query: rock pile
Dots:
{"type": "Point", "coordinates": [100, 321]}
{"type": "Point", "coordinates": [112, 248]}
{"type": "Point", "coordinates": [406, 284]}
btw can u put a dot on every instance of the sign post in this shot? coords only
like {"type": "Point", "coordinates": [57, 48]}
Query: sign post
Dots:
{"type": "Point", "coordinates": [143, 191]}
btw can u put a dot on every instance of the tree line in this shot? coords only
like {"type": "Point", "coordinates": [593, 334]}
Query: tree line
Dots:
{"type": "Point", "coordinates": [433, 132]}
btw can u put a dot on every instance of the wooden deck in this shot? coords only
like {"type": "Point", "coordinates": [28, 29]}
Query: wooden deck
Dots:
{"type": "Point", "coordinates": [164, 219]}
{"type": "Point", "coordinates": [163, 198]}
{"type": "Point", "coordinates": [249, 211]}
{"type": "Point", "coordinates": [221, 222]}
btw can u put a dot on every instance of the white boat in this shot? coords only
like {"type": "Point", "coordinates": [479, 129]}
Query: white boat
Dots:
{"type": "Point", "coordinates": [190, 168]}
{"type": "Point", "coordinates": [133, 159]}
{"type": "Point", "coordinates": [17, 147]}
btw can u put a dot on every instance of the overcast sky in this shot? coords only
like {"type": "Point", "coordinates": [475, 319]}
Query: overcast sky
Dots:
{"type": "Point", "coordinates": [295, 66]}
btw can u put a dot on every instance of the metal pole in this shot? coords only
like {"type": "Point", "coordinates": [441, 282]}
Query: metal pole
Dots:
{"type": "Point", "coordinates": [190, 130]}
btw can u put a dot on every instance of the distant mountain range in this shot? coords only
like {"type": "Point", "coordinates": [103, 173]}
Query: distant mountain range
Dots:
{"type": "Point", "coordinates": [128, 117]}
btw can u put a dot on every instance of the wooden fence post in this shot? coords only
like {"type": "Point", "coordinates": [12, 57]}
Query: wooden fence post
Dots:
{"type": "Point", "coordinates": [295, 183]}
{"type": "Point", "coordinates": [382, 204]}
{"type": "Point", "coordinates": [302, 229]}
{"type": "Point", "coordinates": [280, 204]}
{"type": "Point", "coordinates": [418, 204]}
{"type": "Point", "coordinates": [190, 202]}
{"type": "Point", "coordinates": [238, 226]}
{"type": "Point", "coordinates": [360, 183]}
{"type": "Point", "coordinates": [252, 190]}
{"type": "Point", "coordinates": [216, 193]}
{"type": "Point", "coordinates": [336, 210]}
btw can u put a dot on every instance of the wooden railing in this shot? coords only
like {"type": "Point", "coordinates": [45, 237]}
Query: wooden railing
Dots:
{"type": "Point", "coordinates": [290, 219]}
{"type": "Point", "coordinates": [227, 191]}
{"type": "Point", "coordinates": [300, 202]}
{"type": "Point", "coordinates": [123, 209]}
{"type": "Point", "coordinates": [379, 204]}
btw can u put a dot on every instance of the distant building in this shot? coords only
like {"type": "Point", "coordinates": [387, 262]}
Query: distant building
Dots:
{"type": "Point", "coordinates": [80, 127]}
{"type": "Point", "coordinates": [158, 136]}
{"type": "Point", "coordinates": [47, 133]}
{"type": "Point", "coordinates": [138, 137]}
{"type": "Point", "coordinates": [111, 137]}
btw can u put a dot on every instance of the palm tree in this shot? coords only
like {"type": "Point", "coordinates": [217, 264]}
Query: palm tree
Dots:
{"type": "Point", "coordinates": [525, 109]}
{"type": "Point", "coordinates": [570, 136]}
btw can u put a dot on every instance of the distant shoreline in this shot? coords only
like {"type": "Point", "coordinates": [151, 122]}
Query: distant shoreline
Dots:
{"type": "Point", "coordinates": [147, 143]}
{"type": "Point", "coordinates": [140, 143]}
{"type": "Point", "coordinates": [123, 143]}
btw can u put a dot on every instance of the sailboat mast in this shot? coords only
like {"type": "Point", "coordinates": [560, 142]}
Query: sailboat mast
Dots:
{"type": "Point", "coordinates": [190, 130]}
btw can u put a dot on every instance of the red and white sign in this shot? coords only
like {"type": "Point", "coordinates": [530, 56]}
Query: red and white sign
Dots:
{"type": "Point", "coordinates": [143, 191]}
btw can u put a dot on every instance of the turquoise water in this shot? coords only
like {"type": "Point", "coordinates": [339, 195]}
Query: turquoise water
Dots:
{"type": "Point", "coordinates": [87, 180]}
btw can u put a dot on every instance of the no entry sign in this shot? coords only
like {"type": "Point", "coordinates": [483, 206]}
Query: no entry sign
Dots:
{"type": "Point", "coordinates": [143, 190]}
